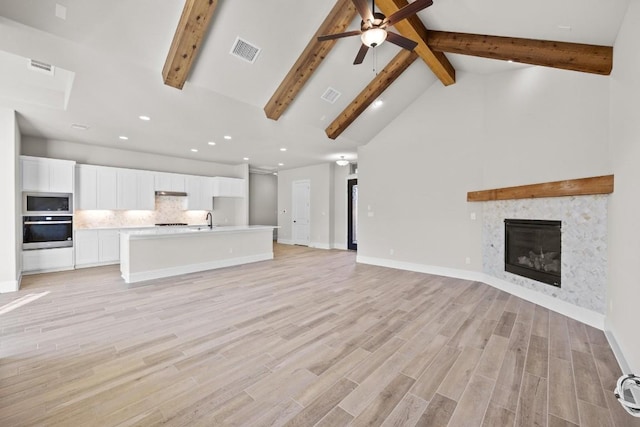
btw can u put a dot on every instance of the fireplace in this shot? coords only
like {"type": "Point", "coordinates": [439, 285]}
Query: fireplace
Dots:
{"type": "Point", "coordinates": [533, 249]}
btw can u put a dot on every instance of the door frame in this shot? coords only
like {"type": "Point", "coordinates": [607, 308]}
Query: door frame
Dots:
{"type": "Point", "coordinates": [351, 182]}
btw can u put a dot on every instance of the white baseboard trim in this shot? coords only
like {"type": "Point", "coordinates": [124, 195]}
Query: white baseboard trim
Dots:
{"type": "Point", "coordinates": [97, 264]}
{"type": "Point", "coordinates": [9, 286]}
{"type": "Point", "coordinates": [584, 315]}
{"type": "Point", "coordinates": [318, 245]}
{"type": "Point", "coordinates": [193, 268]}
{"type": "Point", "coordinates": [48, 270]}
{"type": "Point", "coordinates": [285, 241]}
{"type": "Point", "coordinates": [341, 246]}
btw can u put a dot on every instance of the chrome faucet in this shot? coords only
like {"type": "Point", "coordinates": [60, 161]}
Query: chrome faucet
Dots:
{"type": "Point", "coordinates": [209, 220]}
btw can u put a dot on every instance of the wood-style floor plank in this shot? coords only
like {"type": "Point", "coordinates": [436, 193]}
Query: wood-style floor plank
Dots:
{"type": "Point", "coordinates": [310, 338]}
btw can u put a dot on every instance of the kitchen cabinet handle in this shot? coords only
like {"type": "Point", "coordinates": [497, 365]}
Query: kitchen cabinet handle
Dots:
{"type": "Point", "coordinates": [46, 222]}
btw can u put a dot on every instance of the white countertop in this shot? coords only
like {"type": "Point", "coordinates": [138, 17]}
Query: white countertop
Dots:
{"type": "Point", "coordinates": [154, 232]}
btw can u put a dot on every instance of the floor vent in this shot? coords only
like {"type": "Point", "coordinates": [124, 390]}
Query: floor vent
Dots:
{"type": "Point", "coordinates": [245, 50]}
{"type": "Point", "coordinates": [330, 95]}
{"type": "Point", "coordinates": [41, 67]}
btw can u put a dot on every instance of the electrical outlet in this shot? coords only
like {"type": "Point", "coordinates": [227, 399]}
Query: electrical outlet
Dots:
{"type": "Point", "coordinates": [472, 216]}
{"type": "Point", "coordinates": [230, 250]}
{"type": "Point", "coordinates": [391, 251]}
{"type": "Point", "coordinates": [467, 260]}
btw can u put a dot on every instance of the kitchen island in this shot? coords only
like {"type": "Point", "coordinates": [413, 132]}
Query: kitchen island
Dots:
{"type": "Point", "coordinates": [161, 252]}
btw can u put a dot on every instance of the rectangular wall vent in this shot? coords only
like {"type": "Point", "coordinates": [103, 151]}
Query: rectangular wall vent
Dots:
{"type": "Point", "coordinates": [40, 66]}
{"type": "Point", "coordinates": [245, 50]}
{"type": "Point", "coordinates": [330, 95]}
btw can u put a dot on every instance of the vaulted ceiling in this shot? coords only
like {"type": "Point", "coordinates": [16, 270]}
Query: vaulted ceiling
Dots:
{"type": "Point", "coordinates": [123, 53]}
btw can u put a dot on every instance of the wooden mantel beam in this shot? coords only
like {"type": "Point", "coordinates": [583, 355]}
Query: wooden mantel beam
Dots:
{"type": "Point", "coordinates": [415, 30]}
{"type": "Point", "coordinates": [568, 56]}
{"type": "Point", "coordinates": [342, 14]}
{"type": "Point", "coordinates": [570, 187]}
{"type": "Point", "coordinates": [191, 30]}
{"type": "Point", "coordinates": [379, 84]}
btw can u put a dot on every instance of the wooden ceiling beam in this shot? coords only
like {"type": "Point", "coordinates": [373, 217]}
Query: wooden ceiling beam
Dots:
{"type": "Point", "coordinates": [342, 14]}
{"type": "Point", "coordinates": [415, 30]}
{"type": "Point", "coordinates": [379, 84]}
{"type": "Point", "coordinates": [191, 30]}
{"type": "Point", "coordinates": [568, 56]}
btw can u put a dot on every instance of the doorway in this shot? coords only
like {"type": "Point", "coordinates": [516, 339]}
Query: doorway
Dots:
{"type": "Point", "coordinates": [301, 213]}
{"type": "Point", "coordinates": [352, 214]}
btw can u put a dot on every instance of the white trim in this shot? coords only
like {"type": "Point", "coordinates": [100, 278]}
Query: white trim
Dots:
{"type": "Point", "coordinates": [583, 315]}
{"type": "Point", "coordinates": [9, 286]}
{"type": "Point", "coordinates": [285, 241]}
{"type": "Point", "coordinates": [97, 264]}
{"type": "Point", "coordinates": [48, 270]}
{"type": "Point", "coordinates": [617, 349]}
{"type": "Point", "coordinates": [319, 245]}
{"type": "Point", "coordinates": [193, 268]}
{"type": "Point", "coordinates": [341, 246]}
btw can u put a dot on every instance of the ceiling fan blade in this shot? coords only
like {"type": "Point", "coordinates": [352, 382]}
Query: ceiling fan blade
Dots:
{"type": "Point", "coordinates": [401, 41]}
{"type": "Point", "coordinates": [339, 35]}
{"type": "Point", "coordinates": [361, 54]}
{"type": "Point", "coordinates": [408, 10]}
{"type": "Point", "coordinates": [363, 10]}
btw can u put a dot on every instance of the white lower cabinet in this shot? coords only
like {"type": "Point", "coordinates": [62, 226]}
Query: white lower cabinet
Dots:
{"type": "Point", "coordinates": [47, 260]}
{"type": "Point", "coordinates": [97, 247]}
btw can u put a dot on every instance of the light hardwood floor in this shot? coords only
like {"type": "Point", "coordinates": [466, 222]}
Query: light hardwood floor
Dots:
{"type": "Point", "coordinates": [311, 338]}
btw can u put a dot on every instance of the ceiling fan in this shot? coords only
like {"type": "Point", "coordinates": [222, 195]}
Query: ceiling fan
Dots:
{"type": "Point", "coordinates": [373, 28]}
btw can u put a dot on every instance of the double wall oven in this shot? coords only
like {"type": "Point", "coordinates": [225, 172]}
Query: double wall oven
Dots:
{"type": "Point", "coordinates": [47, 220]}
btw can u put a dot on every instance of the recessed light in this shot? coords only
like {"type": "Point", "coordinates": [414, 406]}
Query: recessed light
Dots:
{"type": "Point", "coordinates": [195, 150]}
{"type": "Point", "coordinates": [245, 158]}
{"type": "Point", "coordinates": [377, 103]}
{"type": "Point", "coordinates": [283, 149]}
{"type": "Point", "coordinates": [227, 137]}
{"type": "Point", "coordinates": [275, 173]}
{"type": "Point", "coordinates": [280, 164]}
{"type": "Point", "coordinates": [79, 126]}
{"type": "Point", "coordinates": [124, 138]}
{"type": "Point", "coordinates": [145, 118]}
{"type": "Point", "coordinates": [211, 143]}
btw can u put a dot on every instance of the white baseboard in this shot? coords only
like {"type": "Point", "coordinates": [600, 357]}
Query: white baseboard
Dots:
{"type": "Point", "coordinates": [48, 270]}
{"type": "Point", "coordinates": [341, 246]}
{"type": "Point", "coordinates": [9, 286]}
{"type": "Point", "coordinates": [319, 245]}
{"type": "Point", "coordinates": [193, 268]}
{"type": "Point", "coordinates": [285, 241]}
{"type": "Point", "coordinates": [97, 264]}
{"type": "Point", "coordinates": [584, 315]}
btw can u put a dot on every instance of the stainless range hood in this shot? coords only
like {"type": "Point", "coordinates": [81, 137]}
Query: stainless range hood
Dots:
{"type": "Point", "coordinates": [171, 193]}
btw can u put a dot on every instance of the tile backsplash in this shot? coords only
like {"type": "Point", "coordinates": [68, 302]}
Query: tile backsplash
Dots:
{"type": "Point", "coordinates": [168, 209]}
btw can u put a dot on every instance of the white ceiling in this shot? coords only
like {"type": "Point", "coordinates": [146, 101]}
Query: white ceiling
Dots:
{"type": "Point", "coordinates": [117, 49]}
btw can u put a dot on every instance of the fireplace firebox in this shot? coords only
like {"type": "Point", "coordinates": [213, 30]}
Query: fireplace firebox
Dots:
{"type": "Point", "coordinates": [533, 249]}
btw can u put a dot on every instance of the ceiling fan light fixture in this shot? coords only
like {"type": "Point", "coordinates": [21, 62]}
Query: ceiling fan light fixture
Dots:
{"type": "Point", "coordinates": [373, 37]}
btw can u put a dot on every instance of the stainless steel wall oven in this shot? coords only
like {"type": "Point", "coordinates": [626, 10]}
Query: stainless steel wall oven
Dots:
{"type": "Point", "coordinates": [47, 231]}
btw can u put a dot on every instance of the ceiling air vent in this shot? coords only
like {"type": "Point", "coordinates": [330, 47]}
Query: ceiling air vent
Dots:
{"type": "Point", "coordinates": [41, 67]}
{"type": "Point", "coordinates": [245, 50]}
{"type": "Point", "coordinates": [330, 95]}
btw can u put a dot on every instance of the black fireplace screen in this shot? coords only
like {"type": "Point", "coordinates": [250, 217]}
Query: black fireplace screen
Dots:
{"type": "Point", "coordinates": [533, 249]}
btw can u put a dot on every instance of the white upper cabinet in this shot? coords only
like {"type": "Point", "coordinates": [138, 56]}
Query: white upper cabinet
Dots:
{"type": "Point", "coordinates": [169, 182]}
{"type": "Point", "coordinates": [228, 187]}
{"type": "Point", "coordinates": [107, 188]}
{"type": "Point", "coordinates": [146, 195]}
{"type": "Point", "coordinates": [47, 175]}
{"type": "Point", "coordinates": [199, 193]}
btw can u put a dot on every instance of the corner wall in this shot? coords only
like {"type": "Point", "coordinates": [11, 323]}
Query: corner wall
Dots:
{"type": "Point", "coordinates": [623, 294]}
{"type": "Point", "coordinates": [10, 226]}
{"type": "Point", "coordinates": [321, 178]}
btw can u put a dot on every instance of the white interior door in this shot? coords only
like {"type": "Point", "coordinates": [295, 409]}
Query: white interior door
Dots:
{"type": "Point", "coordinates": [301, 212]}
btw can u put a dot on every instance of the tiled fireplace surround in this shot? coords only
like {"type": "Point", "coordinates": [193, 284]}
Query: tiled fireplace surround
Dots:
{"type": "Point", "coordinates": [584, 245]}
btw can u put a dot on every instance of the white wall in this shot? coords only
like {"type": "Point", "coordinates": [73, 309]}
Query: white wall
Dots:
{"type": "Point", "coordinates": [523, 126]}
{"type": "Point", "coordinates": [10, 227]}
{"type": "Point", "coordinates": [106, 156]}
{"type": "Point", "coordinates": [623, 294]}
{"type": "Point", "coordinates": [321, 178]}
{"type": "Point", "coordinates": [263, 199]}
